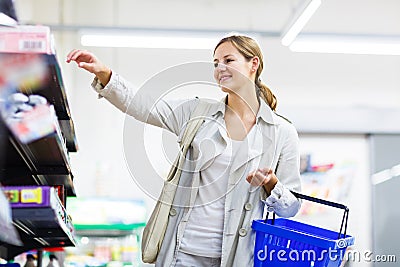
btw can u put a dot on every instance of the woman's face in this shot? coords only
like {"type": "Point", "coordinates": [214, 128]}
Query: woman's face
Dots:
{"type": "Point", "coordinates": [232, 70]}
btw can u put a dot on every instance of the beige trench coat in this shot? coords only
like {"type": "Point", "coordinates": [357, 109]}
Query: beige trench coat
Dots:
{"type": "Point", "coordinates": [275, 145]}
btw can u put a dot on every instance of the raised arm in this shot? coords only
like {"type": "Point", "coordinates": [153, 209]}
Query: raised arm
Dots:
{"type": "Point", "coordinates": [144, 105]}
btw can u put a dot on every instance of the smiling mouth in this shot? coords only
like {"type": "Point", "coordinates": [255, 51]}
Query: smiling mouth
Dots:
{"type": "Point", "coordinates": [224, 78]}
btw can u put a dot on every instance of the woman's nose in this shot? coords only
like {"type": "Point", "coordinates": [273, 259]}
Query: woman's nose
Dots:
{"type": "Point", "coordinates": [221, 66]}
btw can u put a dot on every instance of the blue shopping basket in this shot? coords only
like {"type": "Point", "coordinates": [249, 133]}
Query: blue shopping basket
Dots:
{"type": "Point", "coordinates": [282, 242]}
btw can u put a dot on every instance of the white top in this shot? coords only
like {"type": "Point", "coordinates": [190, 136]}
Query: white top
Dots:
{"type": "Point", "coordinates": [204, 231]}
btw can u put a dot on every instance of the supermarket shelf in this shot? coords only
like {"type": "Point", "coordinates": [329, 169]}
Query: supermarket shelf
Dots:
{"type": "Point", "coordinates": [44, 156]}
{"type": "Point", "coordinates": [40, 218]}
{"type": "Point", "coordinates": [34, 163]}
{"type": "Point", "coordinates": [41, 162]}
{"type": "Point", "coordinates": [54, 91]}
{"type": "Point", "coordinates": [38, 228]}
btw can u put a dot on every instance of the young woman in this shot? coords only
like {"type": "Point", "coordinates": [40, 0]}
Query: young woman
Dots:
{"type": "Point", "coordinates": [244, 157]}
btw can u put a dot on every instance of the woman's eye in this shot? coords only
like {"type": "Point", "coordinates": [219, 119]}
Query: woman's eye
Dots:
{"type": "Point", "coordinates": [228, 60]}
{"type": "Point", "coordinates": [215, 65]}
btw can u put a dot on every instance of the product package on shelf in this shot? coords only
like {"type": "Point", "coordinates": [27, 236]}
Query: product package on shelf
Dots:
{"type": "Point", "coordinates": [26, 38]}
{"type": "Point", "coordinates": [33, 197]}
{"type": "Point", "coordinates": [39, 209]}
{"type": "Point", "coordinates": [60, 190]}
{"type": "Point", "coordinates": [30, 118]}
{"type": "Point", "coordinates": [70, 225]}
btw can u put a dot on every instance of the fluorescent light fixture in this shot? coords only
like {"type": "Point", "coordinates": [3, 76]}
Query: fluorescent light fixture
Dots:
{"type": "Point", "coordinates": [302, 16]}
{"type": "Point", "coordinates": [148, 41]}
{"type": "Point", "coordinates": [386, 175]}
{"type": "Point", "coordinates": [347, 44]}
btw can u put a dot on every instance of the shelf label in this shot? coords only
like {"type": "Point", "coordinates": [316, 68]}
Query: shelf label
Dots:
{"type": "Point", "coordinates": [32, 196]}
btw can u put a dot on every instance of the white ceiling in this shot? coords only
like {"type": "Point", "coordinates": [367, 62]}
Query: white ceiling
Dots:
{"type": "Point", "coordinates": [300, 80]}
{"type": "Point", "coordinates": [333, 16]}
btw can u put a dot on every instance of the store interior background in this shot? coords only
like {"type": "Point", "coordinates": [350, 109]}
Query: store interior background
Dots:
{"type": "Point", "coordinates": [345, 106]}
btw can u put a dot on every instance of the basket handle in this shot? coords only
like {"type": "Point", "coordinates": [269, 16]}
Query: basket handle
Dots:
{"type": "Point", "coordinates": [324, 202]}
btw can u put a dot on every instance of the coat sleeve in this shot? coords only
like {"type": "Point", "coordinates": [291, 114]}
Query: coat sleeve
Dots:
{"type": "Point", "coordinates": [281, 200]}
{"type": "Point", "coordinates": [144, 105]}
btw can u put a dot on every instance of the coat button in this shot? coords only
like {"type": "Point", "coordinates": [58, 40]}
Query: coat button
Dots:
{"type": "Point", "coordinates": [172, 212]}
{"type": "Point", "coordinates": [248, 206]}
{"type": "Point", "coordinates": [242, 232]}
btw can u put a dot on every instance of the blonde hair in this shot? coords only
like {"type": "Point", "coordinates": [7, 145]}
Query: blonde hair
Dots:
{"type": "Point", "coordinates": [249, 48]}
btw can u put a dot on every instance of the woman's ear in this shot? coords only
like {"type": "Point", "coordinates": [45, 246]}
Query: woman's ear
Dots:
{"type": "Point", "coordinates": [255, 63]}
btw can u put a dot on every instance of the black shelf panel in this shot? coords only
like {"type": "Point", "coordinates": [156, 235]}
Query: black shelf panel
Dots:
{"type": "Point", "coordinates": [10, 178]}
{"type": "Point", "coordinates": [44, 154]}
{"type": "Point", "coordinates": [37, 228]}
{"type": "Point", "coordinates": [55, 93]}
{"type": "Point", "coordinates": [42, 162]}
{"type": "Point", "coordinates": [69, 135]}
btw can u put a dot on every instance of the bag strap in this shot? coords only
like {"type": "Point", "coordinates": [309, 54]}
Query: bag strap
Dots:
{"type": "Point", "coordinates": [196, 120]}
{"type": "Point", "coordinates": [194, 123]}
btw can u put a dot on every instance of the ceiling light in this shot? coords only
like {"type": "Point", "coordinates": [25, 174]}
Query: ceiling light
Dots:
{"type": "Point", "coordinates": [301, 17]}
{"type": "Point", "coordinates": [386, 175]}
{"type": "Point", "coordinates": [347, 44]}
{"type": "Point", "coordinates": [148, 41]}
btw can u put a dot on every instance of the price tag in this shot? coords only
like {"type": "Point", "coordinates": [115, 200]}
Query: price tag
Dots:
{"type": "Point", "coordinates": [32, 196]}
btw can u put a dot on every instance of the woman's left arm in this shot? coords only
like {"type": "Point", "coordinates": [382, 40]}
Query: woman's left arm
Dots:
{"type": "Point", "coordinates": [277, 186]}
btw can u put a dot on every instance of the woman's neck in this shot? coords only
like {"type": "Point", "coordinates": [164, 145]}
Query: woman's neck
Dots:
{"type": "Point", "coordinates": [244, 104]}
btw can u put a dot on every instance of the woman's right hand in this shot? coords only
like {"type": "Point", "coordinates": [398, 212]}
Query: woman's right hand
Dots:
{"type": "Point", "coordinates": [88, 61]}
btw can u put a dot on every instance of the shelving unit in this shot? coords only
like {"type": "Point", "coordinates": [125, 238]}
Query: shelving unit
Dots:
{"type": "Point", "coordinates": [54, 91]}
{"type": "Point", "coordinates": [40, 217]}
{"type": "Point", "coordinates": [43, 162]}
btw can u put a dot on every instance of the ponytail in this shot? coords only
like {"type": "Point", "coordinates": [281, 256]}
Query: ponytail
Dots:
{"type": "Point", "coordinates": [266, 94]}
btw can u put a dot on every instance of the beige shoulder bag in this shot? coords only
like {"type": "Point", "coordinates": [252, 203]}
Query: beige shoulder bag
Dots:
{"type": "Point", "coordinates": [153, 234]}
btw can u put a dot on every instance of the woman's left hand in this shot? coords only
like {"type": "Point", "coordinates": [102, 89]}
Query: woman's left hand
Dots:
{"type": "Point", "coordinates": [260, 177]}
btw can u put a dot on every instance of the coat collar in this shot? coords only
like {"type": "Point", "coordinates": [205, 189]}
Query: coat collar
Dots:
{"type": "Point", "coordinates": [265, 113]}
{"type": "Point", "coordinates": [262, 139]}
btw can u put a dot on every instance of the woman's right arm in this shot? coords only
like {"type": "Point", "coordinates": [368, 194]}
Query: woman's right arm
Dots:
{"type": "Point", "coordinates": [144, 105]}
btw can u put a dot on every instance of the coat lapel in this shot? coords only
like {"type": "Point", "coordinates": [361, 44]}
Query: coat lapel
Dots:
{"type": "Point", "coordinates": [260, 146]}
{"type": "Point", "coordinates": [208, 144]}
